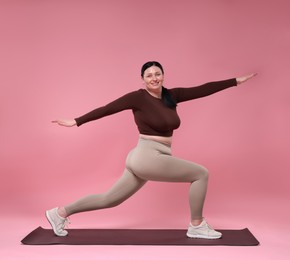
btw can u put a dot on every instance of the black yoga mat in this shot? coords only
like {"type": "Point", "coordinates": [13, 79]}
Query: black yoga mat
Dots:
{"type": "Point", "coordinates": [169, 237]}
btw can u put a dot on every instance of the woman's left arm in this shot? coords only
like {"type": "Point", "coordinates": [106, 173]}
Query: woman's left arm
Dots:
{"type": "Point", "coordinates": [185, 94]}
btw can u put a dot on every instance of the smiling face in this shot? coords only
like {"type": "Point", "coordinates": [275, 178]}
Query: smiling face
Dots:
{"type": "Point", "coordinates": [153, 78]}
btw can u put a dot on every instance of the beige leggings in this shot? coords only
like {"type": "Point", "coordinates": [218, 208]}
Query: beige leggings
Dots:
{"type": "Point", "coordinates": [149, 161]}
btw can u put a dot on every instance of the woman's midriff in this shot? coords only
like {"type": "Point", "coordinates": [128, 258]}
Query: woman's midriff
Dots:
{"type": "Point", "coordinates": [161, 139]}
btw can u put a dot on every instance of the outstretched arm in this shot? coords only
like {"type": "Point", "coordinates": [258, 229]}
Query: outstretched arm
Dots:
{"type": "Point", "coordinates": [185, 94]}
{"type": "Point", "coordinates": [127, 101]}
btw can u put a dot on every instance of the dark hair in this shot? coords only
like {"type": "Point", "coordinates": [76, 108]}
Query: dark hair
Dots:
{"type": "Point", "coordinates": [150, 64]}
{"type": "Point", "coordinates": [165, 95]}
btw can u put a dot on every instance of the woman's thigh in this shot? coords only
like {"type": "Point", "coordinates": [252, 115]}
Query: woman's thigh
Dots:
{"type": "Point", "coordinates": [163, 167]}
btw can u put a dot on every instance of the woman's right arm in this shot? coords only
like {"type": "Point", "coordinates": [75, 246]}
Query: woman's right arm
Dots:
{"type": "Point", "coordinates": [127, 101]}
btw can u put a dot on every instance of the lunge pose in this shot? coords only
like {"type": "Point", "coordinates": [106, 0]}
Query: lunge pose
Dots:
{"type": "Point", "coordinates": [155, 114]}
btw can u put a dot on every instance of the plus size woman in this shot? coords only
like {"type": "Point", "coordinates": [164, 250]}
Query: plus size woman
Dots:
{"type": "Point", "coordinates": [155, 114]}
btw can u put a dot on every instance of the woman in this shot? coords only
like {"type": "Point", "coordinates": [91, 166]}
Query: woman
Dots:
{"type": "Point", "coordinates": [155, 114]}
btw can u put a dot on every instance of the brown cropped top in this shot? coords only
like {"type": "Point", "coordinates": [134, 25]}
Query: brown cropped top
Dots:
{"type": "Point", "coordinates": [151, 115]}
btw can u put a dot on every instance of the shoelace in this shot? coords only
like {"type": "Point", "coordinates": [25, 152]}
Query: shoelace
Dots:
{"type": "Point", "coordinates": [208, 226]}
{"type": "Point", "coordinates": [205, 224]}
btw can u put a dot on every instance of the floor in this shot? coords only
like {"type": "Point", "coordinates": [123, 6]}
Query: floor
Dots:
{"type": "Point", "coordinates": [271, 231]}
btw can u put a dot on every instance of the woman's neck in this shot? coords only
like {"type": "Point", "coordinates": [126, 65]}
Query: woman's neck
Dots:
{"type": "Point", "coordinates": [157, 93]}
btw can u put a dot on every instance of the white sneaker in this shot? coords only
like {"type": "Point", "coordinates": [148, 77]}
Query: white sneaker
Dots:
{"type": "Point", "coordinates": [57, 222]}
{"type": "Point", "coordinates": [203, 230]}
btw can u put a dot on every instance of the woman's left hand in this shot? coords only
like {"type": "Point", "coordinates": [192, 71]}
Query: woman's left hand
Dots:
{"type": "Point", "coordinates": [243, 79]}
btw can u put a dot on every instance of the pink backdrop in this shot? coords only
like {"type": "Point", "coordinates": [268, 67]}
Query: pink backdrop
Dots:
{"type": "Point", "coordinates": [60, 59]}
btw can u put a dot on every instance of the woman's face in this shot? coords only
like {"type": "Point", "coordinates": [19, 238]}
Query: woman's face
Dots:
{"type": "Point", "coordinates": [153, 78]}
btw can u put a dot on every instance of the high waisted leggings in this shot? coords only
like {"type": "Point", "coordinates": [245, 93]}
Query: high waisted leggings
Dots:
{"type": "Point", "coordinates": [149, 161]}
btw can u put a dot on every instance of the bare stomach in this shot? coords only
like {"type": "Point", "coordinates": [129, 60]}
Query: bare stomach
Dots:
{"type": "Point", "coordinates": [162, 139]}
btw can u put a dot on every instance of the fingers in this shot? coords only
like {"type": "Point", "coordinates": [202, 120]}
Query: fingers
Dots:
{"type": "Point", "coordinates": [65, 122]}
{"type": "Point", "coordinates": [252, 75]}
{"type": "Point", "coordinates": [243, 79]}
{"type": "Point", "coordinates": [59, 122]}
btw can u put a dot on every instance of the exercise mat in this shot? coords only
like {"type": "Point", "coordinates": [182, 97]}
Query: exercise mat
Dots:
{"type": "Point", "coordinates": [161, 237]}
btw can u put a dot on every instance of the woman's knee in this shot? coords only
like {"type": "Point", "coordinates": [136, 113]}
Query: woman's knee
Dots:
{"type": "Point", "coordinates": [203, 173]}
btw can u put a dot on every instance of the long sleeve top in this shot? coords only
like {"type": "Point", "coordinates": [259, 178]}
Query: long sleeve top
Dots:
{"type": "Point", "coordinates": [151, 115]}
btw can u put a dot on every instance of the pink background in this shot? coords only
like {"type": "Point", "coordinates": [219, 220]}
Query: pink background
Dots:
{"type": "Point", "coordinates": [61, 59]}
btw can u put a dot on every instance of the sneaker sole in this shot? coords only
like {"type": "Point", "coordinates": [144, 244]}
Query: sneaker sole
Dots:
{"type": "Point", "coordinates": [53, 226]}
{"type": "Point", "coordinates": [201, 236]}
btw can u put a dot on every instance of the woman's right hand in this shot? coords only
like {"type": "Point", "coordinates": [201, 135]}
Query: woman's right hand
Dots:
{"type": "Point", "coordinates": [65, 122]}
